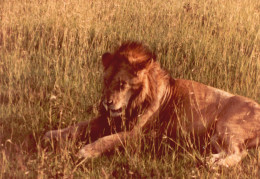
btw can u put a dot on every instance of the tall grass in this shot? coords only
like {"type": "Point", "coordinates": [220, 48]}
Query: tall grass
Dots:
{"type": "Point", "coordinates": [50, 76]}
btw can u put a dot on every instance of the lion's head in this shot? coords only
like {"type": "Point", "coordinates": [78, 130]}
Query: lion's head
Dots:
{"type": "Point", "coordinates": [126, 77]}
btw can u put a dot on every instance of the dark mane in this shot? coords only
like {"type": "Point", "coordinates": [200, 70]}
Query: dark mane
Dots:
{"type": "Point", "coordinates": [136, 54]}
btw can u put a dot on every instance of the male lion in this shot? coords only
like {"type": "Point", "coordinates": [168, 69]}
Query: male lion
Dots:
{"type": "Point", "coordinates": [139, 93]}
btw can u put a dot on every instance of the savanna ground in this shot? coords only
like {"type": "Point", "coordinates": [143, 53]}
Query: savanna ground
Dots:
{"type": "Point", "coordinates": [51, 77]}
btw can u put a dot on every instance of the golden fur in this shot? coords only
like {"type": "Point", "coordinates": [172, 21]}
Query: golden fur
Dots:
{"type": "Point", "coordinates": [139, 93]}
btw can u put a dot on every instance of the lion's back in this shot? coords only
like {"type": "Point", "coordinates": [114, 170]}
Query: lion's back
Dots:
{"type": "Point", "coordinates": [204, 105]}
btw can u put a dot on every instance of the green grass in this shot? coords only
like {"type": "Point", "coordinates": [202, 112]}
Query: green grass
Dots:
{"type": "Point", "coordinates": [53, 48]}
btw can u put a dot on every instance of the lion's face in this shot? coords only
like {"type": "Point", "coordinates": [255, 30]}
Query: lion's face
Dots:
{"type": "Point", "coordinates": [124, 79]}
{"type": "Point", "coordinates": [120, 85]}
{"type": "Point", "coordinates": [117, 91]}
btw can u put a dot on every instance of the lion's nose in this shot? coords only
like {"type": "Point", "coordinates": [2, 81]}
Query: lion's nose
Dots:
{"type": "Point", "coordinates": [109, 102]}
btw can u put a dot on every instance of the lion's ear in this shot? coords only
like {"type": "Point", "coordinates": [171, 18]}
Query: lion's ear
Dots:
{"type": "Point", "coordinates": [106, 59]}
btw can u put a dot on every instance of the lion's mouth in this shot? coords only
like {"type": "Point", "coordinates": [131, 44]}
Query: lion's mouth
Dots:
{"type": "Point", "coordinates": [115, 112]}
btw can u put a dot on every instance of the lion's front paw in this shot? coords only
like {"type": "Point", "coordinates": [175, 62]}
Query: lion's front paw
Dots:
{"type": "Point", "coordinates": [53, 135]}
{"type": "Point", "coordinates": [48, 135]}
{"type": "Point", "coordinates": [56, 135]}
{"type": "Point", "coordinates": [88, 151]}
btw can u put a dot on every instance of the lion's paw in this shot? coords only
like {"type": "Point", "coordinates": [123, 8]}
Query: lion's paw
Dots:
{"type": "Point", "coordinates": [53, 134]}
{"type": "Point", "coordinates": [88, 151]}
{"type": "Point", "coordinates": [48, 135]}
{"type": "Point", "coordinates": [224, 160]}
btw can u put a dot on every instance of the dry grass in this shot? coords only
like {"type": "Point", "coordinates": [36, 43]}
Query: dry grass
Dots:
{"type": "Point", "coordinates": [51, 49]}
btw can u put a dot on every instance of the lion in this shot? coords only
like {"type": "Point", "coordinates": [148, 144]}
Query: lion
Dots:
{"type": "Point", "coordinates": [139, 93]}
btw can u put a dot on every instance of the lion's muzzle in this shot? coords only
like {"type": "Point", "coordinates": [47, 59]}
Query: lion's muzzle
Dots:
{"type": "Point", "coordinates": [112, 111]}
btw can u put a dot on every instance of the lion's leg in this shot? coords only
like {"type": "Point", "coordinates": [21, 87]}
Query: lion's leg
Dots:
{"type": "Point", "coordinates": [105, 144]}
{"type": "Point", "coordinates": [60, 134]}
{"type": "Point", "coordinates": [236, 128]}
{"type": "Point", "coordinates": [112, 141]}
{"type": "Point", "coordinates": [93, 129]}
{"type": "Point", "coordinates": [230, 151]}
{"type": "Point", "coordinates": [232, 159]}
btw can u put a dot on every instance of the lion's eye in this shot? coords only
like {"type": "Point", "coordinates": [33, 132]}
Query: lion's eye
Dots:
{"type": "Point", "coordinates": [122, 84]}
